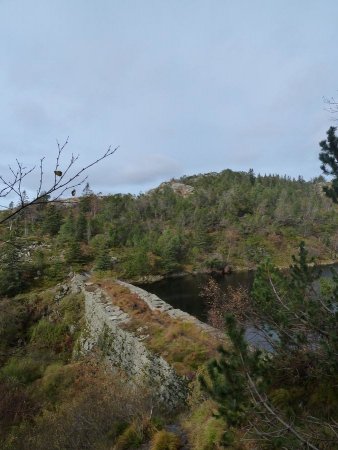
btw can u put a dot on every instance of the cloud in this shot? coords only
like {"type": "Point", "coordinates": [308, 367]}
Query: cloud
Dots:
{"type": "Point", "coordinates": [181, 86]}
{"type": "Point", "coordinates": [147, 169]}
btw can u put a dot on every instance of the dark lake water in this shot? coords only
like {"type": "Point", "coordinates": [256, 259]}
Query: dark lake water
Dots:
{"type": "Point", "coordinates": [184, 293]}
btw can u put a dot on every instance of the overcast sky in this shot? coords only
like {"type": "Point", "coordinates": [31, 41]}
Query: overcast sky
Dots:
{"type": "Point", "coordinates": [183, 86]}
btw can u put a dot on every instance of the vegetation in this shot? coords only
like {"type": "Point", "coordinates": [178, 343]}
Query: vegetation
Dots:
{"type": "Point", "coordinates": [230, 218]}
{"type": "Point", "coordinates": [285, 397]}
{"type": "Point", "coordinates": [282, 397]}
{"type": "Point", "coordinates": [182, 344]}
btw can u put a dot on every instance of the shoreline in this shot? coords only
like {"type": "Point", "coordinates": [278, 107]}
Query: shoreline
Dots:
{"type": "Point", "coordinates": [149, 279]}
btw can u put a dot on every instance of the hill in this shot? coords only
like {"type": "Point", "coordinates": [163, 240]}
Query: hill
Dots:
{"type": "Point", "coordinates": [201, 222]}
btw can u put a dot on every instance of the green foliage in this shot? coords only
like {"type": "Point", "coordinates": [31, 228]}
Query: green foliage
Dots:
{"type": "Point", "coordinates": [67, 229]}
{"type": "Point", "coordinates": [74, 253]}
{"type": "Point", "coordinates": [103, 260]}
{"type": "Point", "coordinates": [241, 216]}
{"type": "Point", "coordinates": [46, 334]}
{"type": "Point", "coordinates": [137, 263]}
{"type": "Point", "coordinates": [298, 316]}
{"type": "Point", "coordinates": [329, 158]}
{"type": "Point", "coordinates": [51, 220]}
{"type": "Point", "coordinates": [206, 432]}
{"type": "Point", "coordinates": [55, 381]}
{"type": "Point", "coordinates": [227, 379]}
{"type": "Point", "coordinates": [56, 270]}
{"type": "Point", "coordinates": [14, 316]}
{"type": "Point", "coordinates": [81, 227]}
{"type": "Point", "coordinates": [72, 308]}
{"type": "Point", "coordinates": [13, 269]}
{"type": "Point", "coordinates": [170, 249]}
{"type": "Point", "coordinates": [22, 369]}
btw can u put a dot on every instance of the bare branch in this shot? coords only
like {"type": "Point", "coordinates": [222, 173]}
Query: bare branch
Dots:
{"type": "Point", "coordinates": [62, 183]}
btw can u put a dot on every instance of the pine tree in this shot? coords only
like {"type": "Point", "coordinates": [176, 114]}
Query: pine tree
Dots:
{"type": "Point", "coordinates": [67, 229]}
{"type": "Point", "coordinates": [329, 158]}
{"type": "Point", "coordinates": [279, 395]}
{"type": "Point", "coordinates": [81, 227]}
{"type": "Point", "coordinates": [103, 260]}
{"type": "Point", "coordinates": [52, 220]}
{"type": "Point", "coordinates": [12, 280]}
{"type": "Point", "coordinates": [74, 254]}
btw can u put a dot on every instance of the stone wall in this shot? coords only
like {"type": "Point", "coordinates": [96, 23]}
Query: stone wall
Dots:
{"type": "Point", "coordinates": [123, 349]}
{"type": "Point", "coordinates": [157, 304]}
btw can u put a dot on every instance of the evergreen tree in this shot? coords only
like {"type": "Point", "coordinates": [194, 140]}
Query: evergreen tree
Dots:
{"type": "Point", "coordinates": [329, 158]}
{"type": "Point", "coordinates": [279, 395]}
{"type": "Point", "coordinates": [52, 219]}
{"type": "Point", "coordinates": [67, 229]}
{"type": "Point", "coordinates": [12, 268]}
{"type": "Point", "coordinates": [81, 227]}
{"type": "Point", "coordinates": [103, 260]}
{"type": "Point", "coordinates": [74, 254]}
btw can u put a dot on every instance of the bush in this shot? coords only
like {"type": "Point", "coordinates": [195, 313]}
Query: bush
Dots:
{"type": "Point", "coordinates": [72, 309]}
{"type": "Point", "coordinates": [132, 437]}
{"type": "Point", "coordinates": [24, 370]}
{"type": "Point", "coordinates": [13, 317]}
{"type": "Point", "coordinates": [56, 379]}
{"type": "Point", "coordinates": [15, 406]}
{"type": "Point", "coordinates": [49, 335]}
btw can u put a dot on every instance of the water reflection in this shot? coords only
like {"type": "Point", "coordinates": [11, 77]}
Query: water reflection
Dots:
{"type": "Point", "coordinates": [184, 293]}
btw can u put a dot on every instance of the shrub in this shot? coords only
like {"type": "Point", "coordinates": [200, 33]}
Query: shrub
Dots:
{"type": "Point", "coordinates": [72, 308]}
{"type": "Point", "coordinates": [24, 370]}
{"type": "Point", "coordinates": [56, 379]}
{"type": "Point", "coordinates": [13, 316]}
{"type": "Point", "coordinates": [132, 437]}
{"type": "Point", "coordinates": [15, 405]}
{"type": "Point", "coordinates": [49, 335]}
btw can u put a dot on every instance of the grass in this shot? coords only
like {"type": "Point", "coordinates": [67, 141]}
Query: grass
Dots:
{"type": "Point", "coordinates": [182, 344]}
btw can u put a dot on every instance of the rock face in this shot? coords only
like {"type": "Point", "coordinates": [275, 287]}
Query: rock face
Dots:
{"type": "Point", "coordinates": [125, 350]}
{"type": "Point", "coordinates": [184, 190]}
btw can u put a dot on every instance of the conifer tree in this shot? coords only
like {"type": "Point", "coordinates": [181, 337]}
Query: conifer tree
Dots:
{"type": "Point", "coordinates": [329, 158]}
{"type": "Point", "coordinates": [278, 396]}
{"type": "Point", "coordinates": [103, 260]}
{"type": "Point", "coordinates": [12, 268]}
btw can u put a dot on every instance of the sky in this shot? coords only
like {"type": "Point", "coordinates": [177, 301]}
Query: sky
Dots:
{"type": "Point", "coordinates": [182, 86]}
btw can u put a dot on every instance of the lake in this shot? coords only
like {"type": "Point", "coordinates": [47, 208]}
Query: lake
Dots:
{"type": "Point", "coordinates": [184, 293]}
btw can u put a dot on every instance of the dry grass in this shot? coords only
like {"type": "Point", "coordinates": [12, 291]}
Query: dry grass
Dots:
{"type": "Point", "coordinates": [182, 344]}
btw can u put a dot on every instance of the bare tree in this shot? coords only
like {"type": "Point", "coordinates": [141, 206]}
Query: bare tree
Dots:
{"type": "Point", "coordinates": [67, 177]}
{"type": "Point", "coordinates": [332, 104]}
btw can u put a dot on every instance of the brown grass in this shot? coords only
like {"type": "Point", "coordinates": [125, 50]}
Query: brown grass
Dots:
{"type": "Point", "coordinates": [182, 344]}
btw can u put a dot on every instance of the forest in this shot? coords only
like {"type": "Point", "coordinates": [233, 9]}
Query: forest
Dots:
{"type": "Point", "coordinates": [227, 218]}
